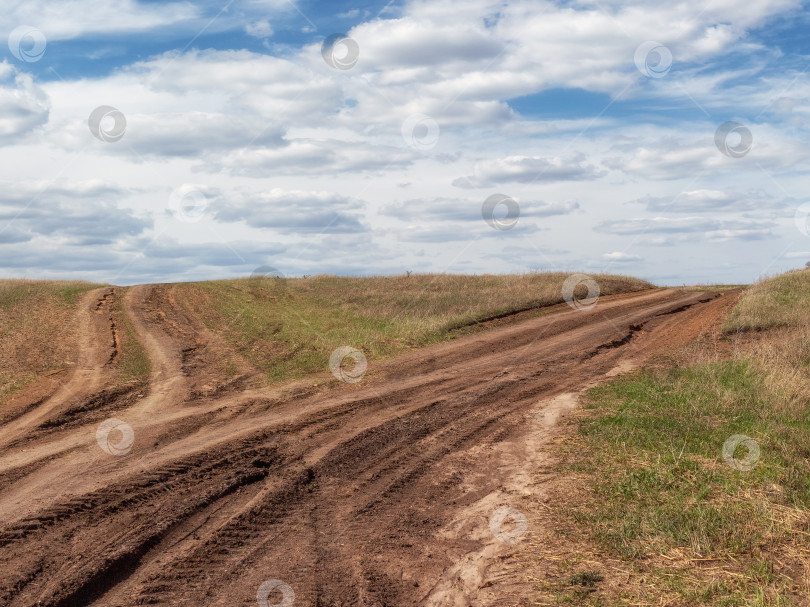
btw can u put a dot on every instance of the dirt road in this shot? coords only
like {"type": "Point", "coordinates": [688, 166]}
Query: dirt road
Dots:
{"type": "Point", "coordinates": [208, 487]}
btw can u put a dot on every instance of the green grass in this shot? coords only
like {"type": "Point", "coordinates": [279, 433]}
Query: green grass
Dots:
{"type": "Point", "coordinates": [653, 449]}
{"type": "Point", "coordinates": [133, 362]}
{"type": "Point", "coordinates": [289, 327]}
{"type": "Point", "coordinates": [35, 328]}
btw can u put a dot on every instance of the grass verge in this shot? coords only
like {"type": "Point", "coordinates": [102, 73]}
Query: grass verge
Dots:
{"type": "Point", "coordinates": [688, 518]}
{"type": "Point", "coordinates": [133, 363]}
{"type": "Point", "coordinates": [289, 327]}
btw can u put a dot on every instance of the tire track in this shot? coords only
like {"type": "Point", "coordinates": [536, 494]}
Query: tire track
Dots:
{"type": "Point", "coordinates": [87, 376]}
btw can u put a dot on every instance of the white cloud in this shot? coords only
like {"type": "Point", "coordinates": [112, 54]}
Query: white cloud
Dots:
{"type": "Point", "coordinates": [259, 29]}
{"type": "Point", "coordinates": [528, 169]}
{"type": "Point", "coordinates": [24, 106]}
{"type": "Point", "coordinates": [293, 210]}
{"type": "Point", "coordinates": [72, 18]}
{"type": "Point", "coordinates": [712, 228]}
{"type": "Point", "coordinates": [706, 200]}
{"type": "Point", "coordinates": [619, 256]}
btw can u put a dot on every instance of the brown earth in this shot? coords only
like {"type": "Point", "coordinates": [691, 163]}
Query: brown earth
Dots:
{"type": "Point", "coordinates": [379, 492]}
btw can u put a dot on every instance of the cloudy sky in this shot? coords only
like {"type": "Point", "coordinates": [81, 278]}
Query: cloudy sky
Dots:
{"type": "Point", "coordinates": [145, 141]}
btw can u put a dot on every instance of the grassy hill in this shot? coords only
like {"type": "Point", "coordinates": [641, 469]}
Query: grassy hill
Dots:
{"type": "Point", "coordinates": [288, 327]}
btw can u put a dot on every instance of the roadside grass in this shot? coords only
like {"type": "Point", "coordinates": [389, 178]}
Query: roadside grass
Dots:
{"type": "Point", "coordinates": [133, 362]}
{"type": "Point", "coordinates": [289, 327]}
{"type": "Point", "coordinates": [713, 288]}
{"type": "Point", "coordinates": [691, 525]}
{"type": "Point", "coordinates": [36, 328]}
{"type": "Point", "coordinates": [782, 301]}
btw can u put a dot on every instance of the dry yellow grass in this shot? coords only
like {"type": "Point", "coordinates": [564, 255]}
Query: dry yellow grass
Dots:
{"type": "Point", "coordinates": [36, 329]}
{"type": "Point", "coordinates": [782, 301]}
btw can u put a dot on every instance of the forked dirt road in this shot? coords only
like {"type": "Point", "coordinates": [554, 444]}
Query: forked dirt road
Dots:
{"type": "Point", "coordinates": [346, 493]}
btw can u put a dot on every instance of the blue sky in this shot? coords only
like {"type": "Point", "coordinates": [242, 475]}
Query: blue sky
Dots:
{"type": "Point", "coordinates": [231, 143]}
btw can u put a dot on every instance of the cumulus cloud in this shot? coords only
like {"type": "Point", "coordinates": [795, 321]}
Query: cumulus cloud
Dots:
{"type": "Point", "coordinates": [193, 135]}
{"type": "Point", "coordinates": [528, 169]}
{"type": "Point", "coordinates": [456, 209]}
{"type": "Point", "coordinates": [306, 156]}
{"type": "Point", "coordinates": [706, 200]}
{"type": "Point", "coordinates": [83, 213]}
{"type": "Point", "coordinates": [671, 158]}
{"type": "Point", "coordinates": [293, 210]}
{"type": "Point", "coordinates": [619, 256]}
{"type": "Point", "coordinates": [71, 18]}
{"type": "Point", "coordinates": [711, 228]}
{"type": "Point", "coordinates": [279, 90]}
{"type": "Point", "coordinates": [24, 106]}
{"type": "Point", "coordinates": [259, 29]}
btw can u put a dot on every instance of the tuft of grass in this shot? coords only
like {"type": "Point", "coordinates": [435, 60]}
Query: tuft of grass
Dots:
{"type": "Point", "coordinates": [585, 578]}
{"type": "Point", "coordinates": [36, 329]}
{"type": "Point", "coordinates": [652, 446]}
{"type": "Point", "coordinates": [289, 327]}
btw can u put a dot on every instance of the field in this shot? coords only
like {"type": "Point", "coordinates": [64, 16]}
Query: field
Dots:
{"type": "Point", "coordinates": [478, 441]}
